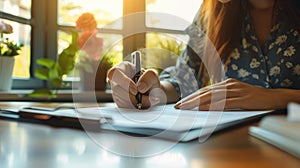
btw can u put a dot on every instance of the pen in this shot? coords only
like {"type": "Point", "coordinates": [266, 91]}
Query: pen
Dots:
{"type": "Point", "coordinates": [136, 60]}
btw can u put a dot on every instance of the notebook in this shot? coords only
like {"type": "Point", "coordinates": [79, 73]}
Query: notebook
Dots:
{"type": "Point", "coordinates": [161, 121]}
{"type": "Point", "coordinates": [281, 131]}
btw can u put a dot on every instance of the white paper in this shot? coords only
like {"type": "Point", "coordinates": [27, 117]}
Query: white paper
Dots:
{"type": "Point", "coordinates": [166, 117]}
{"type": "Point", "coordinates": [161, 121]}
{"type": "Point", "coordinates": [294, 112]}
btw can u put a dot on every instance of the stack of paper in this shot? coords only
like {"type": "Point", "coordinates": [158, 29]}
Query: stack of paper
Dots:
{"type": "Point", "coordinates": [294, 112]}
{"type": "Point", "coordinates": [170, 123]}
{"type": "Point", "coordinates": [281, 131]}
{"type": "Point", "coordinates": [161, 121]}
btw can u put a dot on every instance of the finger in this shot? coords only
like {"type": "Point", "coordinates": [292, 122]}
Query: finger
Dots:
{"type": "Point", "coordinates": [157, 96]}
{"type": "Point", "coordinates": [219, 85]}
{"type": "Point", "coordinates": [200, 98]}
{"type": "Point", "coordinates": [121, 103]}
{"type": "Point", "coordinates": [227, 84]}
{"type": "Point", "coordinates": [125, 67]}
{"type": "Point", "coordinates": [130, 90]}
{"type": "Point", "coordinates": [147, 81]}
{"type": "Point", "coordinates": [123, 94]}
{"type": "Point", "coordinates": [129, 101]}
{"type": "Point", "coordinates": [117, 77]}
{"type": "Point", "coordinates": [123, 98]}
{"type": "Point", "coordinates": [225, 104]}
{"type": "Point", "coordinates": [209, 97]}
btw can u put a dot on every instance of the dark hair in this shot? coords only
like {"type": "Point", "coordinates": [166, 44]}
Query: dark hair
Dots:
{"type": "Point", "coordinates": [290, 12]}
{"type": "Point", "coordinates": [222, 24]}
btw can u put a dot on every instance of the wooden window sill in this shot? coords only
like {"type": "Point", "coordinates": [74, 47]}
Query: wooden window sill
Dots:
{"type": "Point", "coordinates": [62, 96]}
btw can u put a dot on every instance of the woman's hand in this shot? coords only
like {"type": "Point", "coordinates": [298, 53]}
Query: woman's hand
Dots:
{"type": "Point", "coordinates": [229, 94]}
{"type": "Point", "coordinates": [124, 90]}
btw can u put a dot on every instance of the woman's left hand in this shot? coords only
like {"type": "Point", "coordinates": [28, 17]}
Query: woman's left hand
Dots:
{"type": "Point", "coordinates": [229, 94]}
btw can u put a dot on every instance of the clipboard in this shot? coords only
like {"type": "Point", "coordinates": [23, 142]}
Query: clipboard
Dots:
{"type": "Point", "coordinates": [162, 122]}
{"type": "Point", "coordinates": [53, 116]}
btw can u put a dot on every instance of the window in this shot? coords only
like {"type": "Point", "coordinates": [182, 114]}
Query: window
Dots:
{"type": "Point", "coordinates": [165, 9]}
{"type": "Point", "coordinates": [70, 10]}
{"type": "Point", "coordinates": [21, 35]}
{"type": "Point", "coordinates": [105, 11]}
{"type": "Point", "coordinates": [18, 15]}
{"type": "Point", "coordinates": [44, 25]}
{"type": "Point", "coordinates": [20, 8]}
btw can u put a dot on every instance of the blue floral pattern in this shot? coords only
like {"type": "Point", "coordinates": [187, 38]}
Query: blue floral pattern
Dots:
{"type": "Point", "coordinates": [276, 65]}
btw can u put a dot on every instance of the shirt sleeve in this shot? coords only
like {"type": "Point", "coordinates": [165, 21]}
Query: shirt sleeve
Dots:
{"type": "Point", "coordinates": [184, 75]}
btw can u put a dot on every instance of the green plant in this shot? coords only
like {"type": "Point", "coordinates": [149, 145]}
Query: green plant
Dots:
{"type": "Point", "coordinates": [171, 45]}
{"type": "Point", "coordinates": [8, 47]}
{"type": "Point", "coordinates": [84, 51]}
{"type": "Point", "coordinates": [54, 71]}
{"type": "Point", "coordinates": [162, 51]}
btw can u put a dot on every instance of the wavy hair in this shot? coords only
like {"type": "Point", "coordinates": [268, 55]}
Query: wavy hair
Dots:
{"type": "Point", "coordinates": [222, 24]}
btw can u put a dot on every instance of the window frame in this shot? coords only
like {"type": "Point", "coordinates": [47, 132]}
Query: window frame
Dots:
{"type": "Point", "coordinates": [129, 44]}
{"type": "Point", "coordinates": [44, 28]}
{"type": "Point", "coordinates": [37, 41]}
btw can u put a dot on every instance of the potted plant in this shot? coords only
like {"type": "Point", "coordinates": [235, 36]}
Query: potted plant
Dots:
{"type": "Point", "coordinates": [8, 49]}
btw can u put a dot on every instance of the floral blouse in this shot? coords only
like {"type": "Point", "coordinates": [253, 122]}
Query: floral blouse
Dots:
{"type": "Point", "coordinates": [276, 65]}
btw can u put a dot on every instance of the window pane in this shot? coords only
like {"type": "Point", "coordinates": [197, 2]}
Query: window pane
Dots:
{"type": "Point", "coordinates": [162, 49]}
{"type": "Point", "coordinates": [20, 8]}
{"type": "Point", "coordinates": [21, 35]}
{"type": "Point", "coordinates": [105, 11]}
{"type": "Point", "coordinates": [175, 11]}
{"type": "Point", "coordinates": [111, 42]}
{"type": "Point", "coordinates": [112, 45]}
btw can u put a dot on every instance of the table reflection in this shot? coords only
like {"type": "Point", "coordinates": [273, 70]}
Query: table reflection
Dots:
{"type": "Point", "coordinates": [31, 145]}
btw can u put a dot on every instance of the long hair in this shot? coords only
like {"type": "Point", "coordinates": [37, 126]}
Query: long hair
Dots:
{"type": "Point", "coordinates": [222, 24]}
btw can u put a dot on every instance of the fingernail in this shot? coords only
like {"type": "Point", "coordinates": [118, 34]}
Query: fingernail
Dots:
{"type": "Point", "coordinates": [142, 87]}
{"type": "Point", "coordinates": [177, 105]}
{"type": "Point", "coordinates": [182, 107]}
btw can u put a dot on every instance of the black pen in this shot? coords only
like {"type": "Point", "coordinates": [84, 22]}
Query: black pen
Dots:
{"type": "Point", "coordinates": [136, 60]}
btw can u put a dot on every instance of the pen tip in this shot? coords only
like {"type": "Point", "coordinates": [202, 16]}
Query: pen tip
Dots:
{"type": "Point", "coordinates": [139, 106]}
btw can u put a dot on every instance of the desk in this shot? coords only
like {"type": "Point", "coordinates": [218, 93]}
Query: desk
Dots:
{"type": "Point", "coordinates": [31, 145]}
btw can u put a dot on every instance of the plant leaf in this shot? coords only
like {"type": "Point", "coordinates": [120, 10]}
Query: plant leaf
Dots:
{"type": "Point", "coordinates": [55, 78]}
{"type": "Point", "coordinates": [66, 63]}
{"type": "Point", "coordinates": [56, 82]}
{"type": "Point", "coordinates": [53, 72]}
{"type": "Point", "coordinates": [46, 93]}
{"type": "Point", "coordinates": [45, 62]}
{"type": "Point", "coordinates": [41, 73]}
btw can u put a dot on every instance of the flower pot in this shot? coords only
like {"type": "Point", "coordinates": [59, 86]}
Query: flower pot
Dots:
{"type": "Point", "coordinates": [6, 70]}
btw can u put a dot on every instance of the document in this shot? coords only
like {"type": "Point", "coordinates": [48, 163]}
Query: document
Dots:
{"type": "Point", "coordinates": [161, 121]}
{"type": "Point", "coordinates": [168, 122]}
{"type": "Point", "coordinates": [293, 112]}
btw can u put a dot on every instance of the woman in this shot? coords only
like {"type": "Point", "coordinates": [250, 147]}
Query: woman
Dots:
{"type": "Point", "coordinates": [258, 42]}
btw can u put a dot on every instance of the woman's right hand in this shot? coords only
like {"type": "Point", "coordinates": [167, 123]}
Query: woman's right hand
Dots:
{"type": "Point", "coordinates": [124, 89]}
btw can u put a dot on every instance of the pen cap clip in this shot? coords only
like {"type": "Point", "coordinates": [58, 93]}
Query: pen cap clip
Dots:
{"type": "Point", "coordinates": [137, 61]}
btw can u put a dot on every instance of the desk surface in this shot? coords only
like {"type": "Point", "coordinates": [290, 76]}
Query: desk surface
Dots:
{"type": "Point", "coordinates": [31, 145]}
